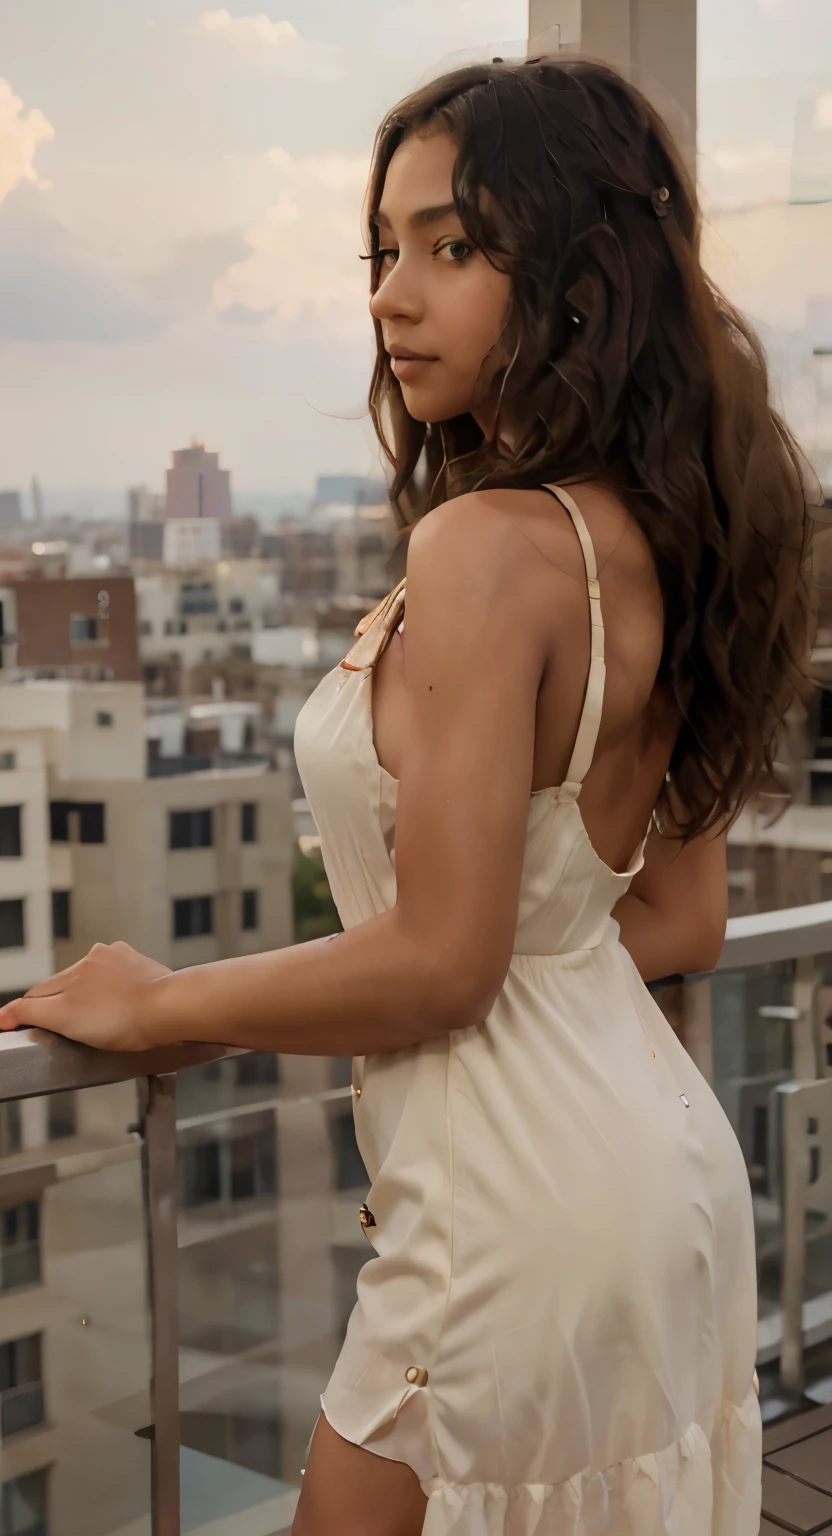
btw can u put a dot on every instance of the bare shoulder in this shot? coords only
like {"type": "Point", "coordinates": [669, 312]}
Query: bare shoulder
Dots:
{"type": "Point", "coordinates": [493, 541]}
{"type": "Point", "coordinates": [505, 523]}
{"type": "Point", "coordinates": [514, 555]}
{"type": "Point", "coordinates": [473, 532]}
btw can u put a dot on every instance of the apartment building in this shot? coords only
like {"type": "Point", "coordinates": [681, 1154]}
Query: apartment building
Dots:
{"type": "Point", "coordinates": [202, 614]}
{"type": "Point", "coordinates": [338, 551]}
{"type": "Point", "coordinates": [188, 869]}
{"type": "Point", "coordinates": [186, 866]}
{"type": "Point", "coordinates": [27, 871]}
{"type": "Point", "coordinates": [81, 627]}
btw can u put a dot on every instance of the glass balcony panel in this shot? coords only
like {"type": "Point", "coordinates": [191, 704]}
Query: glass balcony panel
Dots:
{"type": "Point", "coordinates": [770, 1031]}
{"type": "Point", "coordinates": [268, 1261]}
{"type": "Point", "coordinates": [74, 1335]}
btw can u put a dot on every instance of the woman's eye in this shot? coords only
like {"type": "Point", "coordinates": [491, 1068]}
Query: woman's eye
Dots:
{"type": "Point", "coordinates": [387, 259]}
{"type": "Point", "coordinates": [456, 250]}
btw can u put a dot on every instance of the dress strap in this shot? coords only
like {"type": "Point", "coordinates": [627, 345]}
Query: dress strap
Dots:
{"type": "Point", "coordinates": [590, 720]}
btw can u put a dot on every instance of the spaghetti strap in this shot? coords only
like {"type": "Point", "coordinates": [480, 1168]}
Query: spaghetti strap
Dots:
{"type": "Point", "coordinates": [375, 629]}
{"type": "Point", "coordinates": [590, 720]}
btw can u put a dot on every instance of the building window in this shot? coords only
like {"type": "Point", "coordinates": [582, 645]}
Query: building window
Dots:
{"type": "Point", "coordinates": [8, 762]}
{"type": "Point", "coordinates": [236, 605]}
{"type": "Point", "coordinates": [191, 829]}
{"type": "Point", "coordinates": [199, 1174]}
{"type": "Point", "coordinates": [62, 1116]}
{"type": "Point", "coordinates": [21, 1385]}
{"type": "Point", "coordinates": [253, 1164]}
{"type": "Point", "coordinates": [84, 629]}
{"type": "Point", "coordinates": [59, 820]}
{"type": "Point", "coordinates": [145, 627]}
{"type": "Point", "coordinates": [23, 1504]}
{"type": "Point", "coordinates": [12, 932]}
{"type": "Point", "coordinates": [193, 916]}
{"type": "Point", "coordinates": [10, 843]}
{"type": "Point", "coordinates": [60, 915]}
{"type": "Point", "coordinates": [197, 597]}
{"type": "Point", "coordinates": [91, 820]}
{"type": "Point", "coordinates": [19, 1246]}
{"type": "Point", "coordinates": [103, 717]}
{"type": "Point", "coordinates": [239, 1167]}
{"type": "Point", "coordinates": [248, 822]}
{"type": "Point", "coordinates": [250, 913]}
{"type": "Point", "coordinates": [11, 1127]}
{"type": "Point", "coordinates": [257, 1067]}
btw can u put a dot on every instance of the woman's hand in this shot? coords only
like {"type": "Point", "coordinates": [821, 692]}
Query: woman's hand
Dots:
{"type": "Point", "coordinates": [98, 1001]}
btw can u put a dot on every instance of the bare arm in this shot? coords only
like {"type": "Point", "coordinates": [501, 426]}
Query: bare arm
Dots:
{"type": "Point", "coordinates": [473, 661]}
{"type": "Point", "coordinates": [673, 917]}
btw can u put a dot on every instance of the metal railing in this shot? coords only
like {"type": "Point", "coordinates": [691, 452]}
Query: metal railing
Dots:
{"type": "Point", "coordinates": [33, 1064]}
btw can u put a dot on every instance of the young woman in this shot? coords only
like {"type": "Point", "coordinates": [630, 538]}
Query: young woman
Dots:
{"type": "Point", "coordinates": [522, 791]}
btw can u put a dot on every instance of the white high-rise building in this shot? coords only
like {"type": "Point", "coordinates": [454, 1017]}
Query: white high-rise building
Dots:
{"type": "Point", "coordinates": [191, 540]}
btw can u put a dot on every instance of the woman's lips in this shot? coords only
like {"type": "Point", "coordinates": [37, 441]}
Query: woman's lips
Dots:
{"type": "Point", "coordinates": [407, 369]}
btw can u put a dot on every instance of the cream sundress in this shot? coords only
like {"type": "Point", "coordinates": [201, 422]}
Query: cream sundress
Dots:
{"type": "Point", "coordinates": [558, 1329]}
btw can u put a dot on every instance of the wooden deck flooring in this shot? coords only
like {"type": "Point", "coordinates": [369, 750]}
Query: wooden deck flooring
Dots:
{"type": "Point", "coordinates": [797, 1475]}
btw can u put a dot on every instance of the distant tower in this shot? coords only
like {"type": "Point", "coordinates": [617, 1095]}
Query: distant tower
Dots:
{"type": "Point", "coordinates": [196, 486]}
{"type": "Point", "coordinates": [37, 502]}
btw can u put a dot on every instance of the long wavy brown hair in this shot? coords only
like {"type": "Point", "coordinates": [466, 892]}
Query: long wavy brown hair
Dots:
{"type": "Point", "coordinates": [624, 365]}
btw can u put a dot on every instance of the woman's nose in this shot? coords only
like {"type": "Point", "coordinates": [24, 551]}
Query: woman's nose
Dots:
{"type": "Point", "coordinates": [396, 296]}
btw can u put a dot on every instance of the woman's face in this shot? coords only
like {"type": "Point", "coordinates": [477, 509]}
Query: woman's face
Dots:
{"type": "Point", "coordinates": [441, 305]}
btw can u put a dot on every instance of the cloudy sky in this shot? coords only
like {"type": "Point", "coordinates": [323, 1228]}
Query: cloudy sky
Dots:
{"type": "Point", "coordinates": [180, 194]}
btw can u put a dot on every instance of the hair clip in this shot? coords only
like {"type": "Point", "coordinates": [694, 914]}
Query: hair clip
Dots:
{"type": "Point", "coordinates": [662, 202]}
{"type": "Point", "coordinates": [498, 60]}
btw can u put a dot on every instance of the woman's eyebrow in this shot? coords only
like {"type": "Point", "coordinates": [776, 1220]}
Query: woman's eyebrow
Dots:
{"type": "Point", "coordinates": [419, 219]}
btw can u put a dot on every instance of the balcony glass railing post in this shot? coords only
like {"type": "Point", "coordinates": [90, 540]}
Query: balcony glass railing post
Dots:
{"type": "Point", "coordinates": [157, 1098]}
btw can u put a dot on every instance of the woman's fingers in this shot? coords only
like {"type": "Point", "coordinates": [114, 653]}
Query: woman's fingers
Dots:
{"type": "Point", "coordinates": [53, 984]}
{"type": "Point", "coordinates": [32, 1013]}
{"type": "Point", "coordinates": [94, 1001]}
{"type": "Point", "coordinates": [9, 1016]}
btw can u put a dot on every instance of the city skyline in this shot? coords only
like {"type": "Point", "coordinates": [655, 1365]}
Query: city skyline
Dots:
{"type": "Point", "coordinates": [180, 201]}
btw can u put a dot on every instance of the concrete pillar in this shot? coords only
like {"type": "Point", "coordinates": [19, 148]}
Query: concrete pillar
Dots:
{"type": "Point", "coordinates": [653, 41]}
